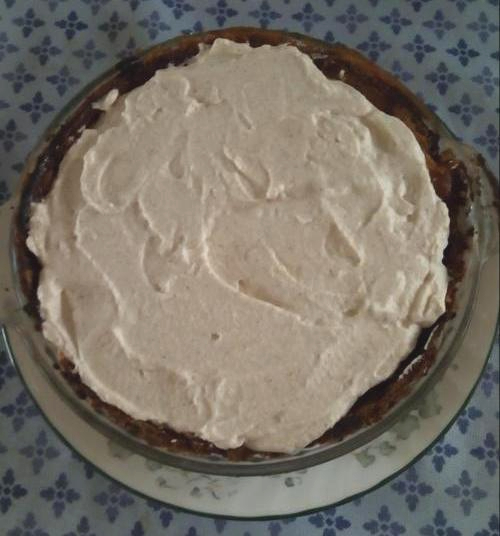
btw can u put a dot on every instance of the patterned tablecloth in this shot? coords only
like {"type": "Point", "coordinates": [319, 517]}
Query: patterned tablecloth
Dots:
{"type": "Point", "coordinates": [445, 50]}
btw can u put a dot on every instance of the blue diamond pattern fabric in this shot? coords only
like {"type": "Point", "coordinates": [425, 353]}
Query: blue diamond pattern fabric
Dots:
{"type": "Point", "coordinates": [445, 50]}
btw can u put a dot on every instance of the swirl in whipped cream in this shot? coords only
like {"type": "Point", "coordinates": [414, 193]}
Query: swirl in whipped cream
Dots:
{"type": "Point", "coordinates": [240, 248]}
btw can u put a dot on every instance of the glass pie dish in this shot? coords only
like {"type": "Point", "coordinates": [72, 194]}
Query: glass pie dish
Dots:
{"type": "Point", "coordinates": [478, 214]}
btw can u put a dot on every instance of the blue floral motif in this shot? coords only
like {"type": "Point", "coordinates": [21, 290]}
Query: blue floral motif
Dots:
{"type": "Point", "coordinates": [221, 11]}
{"type": "Point", "coordinates": [442, 78]}
{"type": "Point", "coordinates": [179, 7]}
{"type": "Point", "coordinates": [114, 499]}
{"type": "Point", "coordinates": [419, 48]}
{"type": "Point", "coordinates": [89, 53]}
{"type": "Point", "coordinates": [329, 521]}
{"type": "Point", "coordinates": [351, 18]}
{"type": "Point", "coordinates": [418, 4]}
{"type": "Point", "coordinates": [54, 4]}
{"type": "Point", "coordinates": [463, 52]}
{"type": "Point", "coordinates": [134, 4]}
{"type": "Point", "coordinates": [19, 77]}
{"type": "Point", "coordinates": [400, 72]}
{"type": "Point", "coordinates": [82, 529]}
{"type": "Point", "coordinates": [28, 22]}
{"type": "Point", "coordinates": [483, 27]}
{"type": "Point", "coordinates": [493, 528]}
{"type": "Point", "coordinates": [113, 26]}
{"type": "Point", "coordinates": [489, 83]}
{"type": "Point", "coordinates": [264, 14]}
{"type": "Point", "coordinates": [192, 532]}
{"type": "Point", "coordinates": [374, 45]}
{"type": "Point", "coordinates": [154, 25]}
{"type": "Point", "coordinates": [5, 46]}
{"type": "Point", "coordinates": [4, 193]}
{"type": "Point", "coordinates": [329, 38]}
{"type": "Point", "coordinates": [467, 493]}
{"type": "Point", "coordinates": [6, 369]}
{"type": "Point", "coordinates": [45, 49]}
{"type": "Point", "coordinates": [308, 17]}
{"type": "Point", "coordinates": [411, 488]}
{"type": "Point", "coordinates": [197, 27]}
{"type": "Point", "coordinates": [439, 527]}
{"type": "Point", "coordinates": [439, 24]}
{"type": "Point", "coordinates": [220, 525]}
{"type": "Point", "coordinates": [488, 452]}
{"type": "Point", "coordinates": [275, 527]}
{"type": "Point", "coordinates": [18, 166]}
{"type": "Point", "coordinates": [71, 24]}
{"type": "Point", "coordinates": [95, 5]}
{"type": "Point", "coordinates": [165, 515]}
{"type": "Point", "coordinates": [461, 4]}
{"type": "Point", "coordinates": [490, 375]}
{"type": "Point", "coordinates": [465, 109]}
{"type": "Point", "coordinates": [467, 416]}
{"type": "Point", "coordinates": [396, 21]}
{"type": "Point", "coordinates": [60, 494]}
{"type": "Point", "coordinates": [130, 50]}
{"type": "Point", "coordinates": [39, 452]}
{"type": "Point", "coordinates": [383, 525]}
{"type": "Point", "coordinates": [36, 107]}
{"type": "Point", "coordinates": [87, 468]}
{"type": "Point", "coordinates": [440, 453]}
{"type": "Point", "coordinates": [10, 491]}
{"type": "Point", "coordinates": [490, 141]}
{"type": "Point", "coordinates": [28, 527]}
{"type": "Point", "coordinates": [63, 80]}
{"type": "Point", "coordinates": [22, 408]}
{"type": "Point", "coordinates": [137, 529]}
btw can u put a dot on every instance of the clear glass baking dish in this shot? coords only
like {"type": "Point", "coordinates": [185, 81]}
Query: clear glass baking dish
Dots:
{"type": "Point", "coordinates": [480, 213]}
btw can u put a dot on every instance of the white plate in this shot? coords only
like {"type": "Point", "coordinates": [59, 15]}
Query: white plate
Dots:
{"type": "Point", "coordinates": [252, 497]}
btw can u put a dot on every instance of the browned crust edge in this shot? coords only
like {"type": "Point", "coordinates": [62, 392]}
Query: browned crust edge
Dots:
{"type": "Point", "coordinates": [449, 177]}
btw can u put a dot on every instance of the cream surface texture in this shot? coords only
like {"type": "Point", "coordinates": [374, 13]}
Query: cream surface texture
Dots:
{"type": "Point", "coordinates": [240, 248]}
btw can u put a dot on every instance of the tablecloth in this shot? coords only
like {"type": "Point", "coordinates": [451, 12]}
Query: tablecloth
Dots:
{"type": "Point", "coordinates": [446, 51]}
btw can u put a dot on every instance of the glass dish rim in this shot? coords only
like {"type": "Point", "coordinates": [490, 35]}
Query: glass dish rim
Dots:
{"type": "Point", "coordinates": [207, 464]}
{"type": "Point", "coordinates": [307, 511]}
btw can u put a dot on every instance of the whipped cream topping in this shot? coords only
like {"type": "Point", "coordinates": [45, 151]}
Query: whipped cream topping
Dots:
{"type": "Point", "coordinates": [240, 248]}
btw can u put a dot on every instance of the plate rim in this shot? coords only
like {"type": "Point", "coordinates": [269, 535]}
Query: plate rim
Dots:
{"type": "Point", "coordinates": [367, 433]}
{"type": "Point", "coordinates": [5, 339]}
{"type": "Point", "coordinates": [413, 458]}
